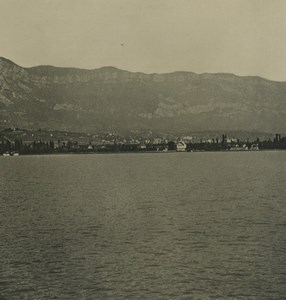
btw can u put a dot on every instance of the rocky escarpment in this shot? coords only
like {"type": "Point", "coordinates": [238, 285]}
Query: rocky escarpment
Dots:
{"type": "Point", "coordinates": [113, 99]}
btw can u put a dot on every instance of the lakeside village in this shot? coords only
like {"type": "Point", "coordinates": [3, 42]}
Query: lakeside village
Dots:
{"type": "Point", "coordinates": [15, 141]}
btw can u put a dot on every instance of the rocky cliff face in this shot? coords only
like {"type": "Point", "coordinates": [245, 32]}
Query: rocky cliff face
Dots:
{"type": "Point", "coordinates": [112, 99]}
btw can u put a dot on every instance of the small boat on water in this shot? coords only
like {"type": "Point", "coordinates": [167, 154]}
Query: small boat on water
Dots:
{"type": "Point", "coordinates": [11, 153]}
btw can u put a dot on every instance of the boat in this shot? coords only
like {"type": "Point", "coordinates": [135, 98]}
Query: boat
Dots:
{"type": "Point", "coordinates": [11, 153]}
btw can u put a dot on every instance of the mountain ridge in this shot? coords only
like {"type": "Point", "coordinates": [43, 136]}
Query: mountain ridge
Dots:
{"type": "Point", "coordinates": [139, 72]}
{"type": "Point", "coordinates": [109, 98]}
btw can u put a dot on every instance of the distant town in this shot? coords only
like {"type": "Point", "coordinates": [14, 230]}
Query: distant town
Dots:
{"type": "Point", "coordinates": [17, 141]}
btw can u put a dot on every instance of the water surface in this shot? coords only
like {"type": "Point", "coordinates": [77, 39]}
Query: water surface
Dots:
{"type": "Point", "coordinates": [143, 226]}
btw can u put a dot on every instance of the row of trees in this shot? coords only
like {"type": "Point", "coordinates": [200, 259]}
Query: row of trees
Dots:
{"type": "Point", "coordinates": [73, 146]}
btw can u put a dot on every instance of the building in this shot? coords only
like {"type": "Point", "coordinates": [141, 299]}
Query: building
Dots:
{"type": "Point", "coordinates": [254, 147]}
{"type": "Point", "coordinates": [181, 146]}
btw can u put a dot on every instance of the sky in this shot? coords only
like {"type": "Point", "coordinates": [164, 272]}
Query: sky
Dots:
{"type": "Point", "coordinates": [244, 37]}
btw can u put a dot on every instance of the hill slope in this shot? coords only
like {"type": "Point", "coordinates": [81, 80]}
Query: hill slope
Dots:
{"type": "Point", "coordinates": [113, 99]}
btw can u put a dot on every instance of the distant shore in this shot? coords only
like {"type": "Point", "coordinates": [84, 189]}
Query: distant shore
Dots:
{"type": "Point", "coordinates": [138, 152]}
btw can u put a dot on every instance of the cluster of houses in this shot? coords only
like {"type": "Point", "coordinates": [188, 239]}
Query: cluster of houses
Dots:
{"type": "Point", "coordinates": [244, 147]}
{"type": "Point", "coordinates": [9, 147]}
{"type": "Point", "coordinates": [78, 144]}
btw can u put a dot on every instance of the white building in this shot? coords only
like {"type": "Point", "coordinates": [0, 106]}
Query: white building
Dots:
{"type": "Point", "coordinates": [181, 146]}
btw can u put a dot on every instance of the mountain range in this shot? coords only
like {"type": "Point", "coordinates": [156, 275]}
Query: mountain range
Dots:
{"type": "Point", "coordinates": [110, 99]}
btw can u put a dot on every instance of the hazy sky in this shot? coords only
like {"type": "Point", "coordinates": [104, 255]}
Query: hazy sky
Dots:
{"type": "Point", "coordinates": [245, 37]}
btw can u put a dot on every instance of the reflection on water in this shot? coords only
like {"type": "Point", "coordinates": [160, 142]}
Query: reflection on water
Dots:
{"type": "Point", "coordinates": [143, 226]}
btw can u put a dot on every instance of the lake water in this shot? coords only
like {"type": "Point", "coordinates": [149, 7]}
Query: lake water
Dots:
{"type": "Point", "coordinates": [143, 226]}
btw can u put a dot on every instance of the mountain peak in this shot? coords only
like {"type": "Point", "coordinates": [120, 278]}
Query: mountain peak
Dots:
{"type": "Point", "coordinates": [7, 63]}
{"type": "Point", "coordinates": [4, 60]}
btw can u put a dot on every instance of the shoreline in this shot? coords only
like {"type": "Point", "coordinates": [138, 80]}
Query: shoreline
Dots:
{"type": "Point", "coordinates": [141, 152]}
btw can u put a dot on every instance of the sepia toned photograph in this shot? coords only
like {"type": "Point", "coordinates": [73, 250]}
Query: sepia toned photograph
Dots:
{"type": "Point", "coordinates": [142, 149]}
